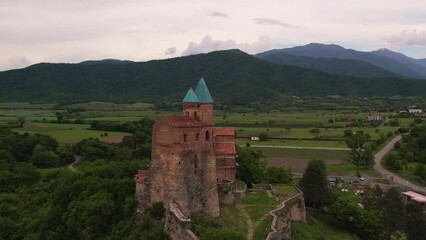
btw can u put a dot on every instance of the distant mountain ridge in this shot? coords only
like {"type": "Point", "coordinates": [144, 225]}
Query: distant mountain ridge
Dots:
{"type": "Point", "coordinates": [388, 61]}
{"type": "Point", "coordinates": [417, 65]}
{"type": "Point", "coordinates": [232, 76]}
{"type": "Point", "coordinates": [105, 61]}
{"type": "Point", "coordinates": [331, 65]}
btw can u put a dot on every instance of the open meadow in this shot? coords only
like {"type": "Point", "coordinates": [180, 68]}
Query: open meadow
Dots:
{"type": "Point", "coordinates": [313, 125]}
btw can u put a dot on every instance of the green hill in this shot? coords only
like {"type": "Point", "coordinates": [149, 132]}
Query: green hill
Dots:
{"type": "Point", "coordinates": [231, 76]}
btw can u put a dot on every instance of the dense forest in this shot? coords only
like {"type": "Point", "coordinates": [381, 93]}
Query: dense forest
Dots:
{"type": "Point", "coordinates": [92, 201]}
{"type": "Point", "coordinates": [226, 73]}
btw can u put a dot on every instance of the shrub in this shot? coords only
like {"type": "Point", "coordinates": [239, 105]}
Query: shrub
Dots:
{"type": "Point", "coordinates": [392, 162]}
{"type": "Point", "coordinates": [263, 136]}
{"type": "Point", "coordinates": [315, 130]}
{"type": "Point", "coordinates": [278, 175]}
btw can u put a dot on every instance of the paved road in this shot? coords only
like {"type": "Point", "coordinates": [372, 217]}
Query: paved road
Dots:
{"type": "Point", "coordinates": [294, 147]}
{"type": "Point", "coordinates": [398, 180]}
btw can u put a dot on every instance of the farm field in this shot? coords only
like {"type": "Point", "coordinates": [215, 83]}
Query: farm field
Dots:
{"type": "Point", "coordinates": [293, 143]}
{"type": "Point", "coordinates": [305, 153]}
{"type": "Point", "coordinates": [39, 118]}
{"type": "Point", "coordinates": [65, 132]}
{"type": "Point", "coordinates": [304, 132]}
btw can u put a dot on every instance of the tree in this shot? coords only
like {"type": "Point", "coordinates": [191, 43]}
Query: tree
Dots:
{"type": "Point", "coordinates": [356, 142]}
{"type": "Point", "coordinates": [278, 175]}
{"type": "Point", "coordinates": [60, 116]}
{"type": "Point", "coordinates": [394, 123]}
{"type": "Point", "coordinates": [21, 121]}
{"type": "Point", "coordinates": [44, 158]}
{"type": "Point", "coordinates": [315, 130]}
{"type": "Point", "coordinates": [420, 171]}
{"type": "Point", "coordinates": [392, 162]}
{"type": "Point", "coordinates": [347, 133]}
{"type": "Point", "coordinates": [398, 235]}
{"type": "Point", "coordinates": [251, 165]}
{"type": "Point", "coordinates": [263, 136]}
{"type": "Point", "coordinates": [288, 129]}
{"type": "Point", "coordinates": [367, 158]}
{"type": "Point", "coordinates": [394, 210]}
{"type": "Point", "coordinates": [314, 183]}
{"type": "Point", "coordinates": [416, 222]}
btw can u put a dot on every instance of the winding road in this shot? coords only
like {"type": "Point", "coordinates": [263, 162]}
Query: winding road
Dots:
{"type": "Point", "coordinates": [386, 173]}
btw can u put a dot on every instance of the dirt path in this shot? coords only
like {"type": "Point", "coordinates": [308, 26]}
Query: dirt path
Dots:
{"type": "Point", "coordinates": [71, 166]}
{"type": "Point", "coordinates": [249, 223]}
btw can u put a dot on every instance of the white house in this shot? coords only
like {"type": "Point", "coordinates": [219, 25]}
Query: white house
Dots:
{"type": "Point", "coordinates": [415, 110]}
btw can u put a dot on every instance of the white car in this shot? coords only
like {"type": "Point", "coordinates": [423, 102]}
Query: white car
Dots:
{"type": "Point", "coordinates": [362, 178]}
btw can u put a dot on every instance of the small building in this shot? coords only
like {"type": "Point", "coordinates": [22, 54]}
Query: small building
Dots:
{"type": "Point", "coordinates": [415, 110]}
{"type": "Point", "coordinates": [374, 118]}
{"type": "Point", "coordinates": [411, 196]}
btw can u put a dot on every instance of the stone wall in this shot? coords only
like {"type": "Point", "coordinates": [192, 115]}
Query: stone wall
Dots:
{"type": "Point", "coordinates": [292, 209]}
{"type": "Point", "coordinates": [226, 192]}
{"type": "Point", "coordinates": [262, 186]}
{"type": "Point", "coordinates": [177, 225]}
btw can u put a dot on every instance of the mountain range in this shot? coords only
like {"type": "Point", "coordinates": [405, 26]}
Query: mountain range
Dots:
{"type": "Point", "coordinates": [231, 75]}
{"type": "Point", "coordinates": [338, 60]}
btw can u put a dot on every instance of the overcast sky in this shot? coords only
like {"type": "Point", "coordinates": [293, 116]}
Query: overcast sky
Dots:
{"type": "Point", "coordinates": [33, 31]}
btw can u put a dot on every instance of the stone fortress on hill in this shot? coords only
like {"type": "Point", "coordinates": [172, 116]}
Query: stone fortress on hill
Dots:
{"type": "Point", "coordinates": [193, 164]}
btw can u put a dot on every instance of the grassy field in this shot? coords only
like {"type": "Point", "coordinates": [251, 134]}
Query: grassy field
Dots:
{"type": "Point", "coordinates": [320, 226]}
{"type": "Point", "coordinates": [64, 132]}
{"type": "Point", "coordinates": [293, 143]}
{"type": "Point", "coordinates": [305, 153]}
{"type": "Point", "coordinates": [349, 169]}
{"type": "Point", "coordinates": [256, 204]}
{"type": "Point", "coordinates": [407, 172]}
{"type": "Point", "coordinates": [304, 132]}
{"type": "Point", "coordinates": [288, 189]}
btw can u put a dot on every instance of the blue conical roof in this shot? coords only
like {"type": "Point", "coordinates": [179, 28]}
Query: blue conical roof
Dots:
{"type": "Point", "coordinates": [203, 93]}
{"type": "Point", "coordinates": [190, 97]}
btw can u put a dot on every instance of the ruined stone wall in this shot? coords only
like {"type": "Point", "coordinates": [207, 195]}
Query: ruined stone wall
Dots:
{"type": "Point", "coordinates": [226, 192]}
{"type": "Point", "coordinates": [183, 172]}
{"type": "Point", "coordinates": [177, 225]}
{"type": "Point", "coordinates": [292, 209]}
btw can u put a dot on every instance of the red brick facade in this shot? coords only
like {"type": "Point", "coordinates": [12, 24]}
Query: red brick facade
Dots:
{"type": "Point", "coordinates": [189, 159]}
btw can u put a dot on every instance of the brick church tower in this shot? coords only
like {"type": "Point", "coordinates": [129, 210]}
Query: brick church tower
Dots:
{"type": "Point", "coordinates": [193, 164]}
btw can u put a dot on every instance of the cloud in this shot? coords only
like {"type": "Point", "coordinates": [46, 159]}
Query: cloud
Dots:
{"type": "Point", "coordinates": [218, 14]}
{"type": "Point", "coordinates": [270, 21]}
{"type": "Point", "coordinates": [171, 51]}
{"type": "Point", "coordinates": [208, 45]}
{"type": "Point", "coordinates": [15, 62]}
{"type": "Point", "coordinates": [408, 38]}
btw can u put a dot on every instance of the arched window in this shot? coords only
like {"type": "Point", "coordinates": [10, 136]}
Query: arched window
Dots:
{"type": "Point", "coordinates": [196, 161]}
{"type": "Point", "coordinates": [207, 136]}
{"type": "Point", "coordinates": [195, 114]}
{"type": "Point", "coordinates": [187, 113]}
{"type": "Point", "coordinates": [197, 136]}
{"type": "Point", "coordinates": [185, 136]}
